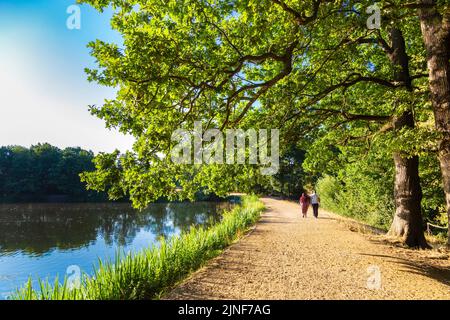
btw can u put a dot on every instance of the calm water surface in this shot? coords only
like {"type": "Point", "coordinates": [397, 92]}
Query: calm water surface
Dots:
{"type": "Point", "coordinates": [43, 240]}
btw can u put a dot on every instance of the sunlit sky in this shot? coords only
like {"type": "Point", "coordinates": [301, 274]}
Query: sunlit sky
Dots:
{"type": "Point", "coordinates": [44, 94]}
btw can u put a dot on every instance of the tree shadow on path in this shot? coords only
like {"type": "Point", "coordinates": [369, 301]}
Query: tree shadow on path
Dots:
{"type": "Point", "coordinates": [438, 273]}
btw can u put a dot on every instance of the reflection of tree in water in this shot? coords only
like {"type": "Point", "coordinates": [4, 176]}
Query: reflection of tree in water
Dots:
{"type": "Point", "coordinates": [36, 229]}
{"type": "Point", "coordinates": [202, 214]}
{"type": "Point", "coordinates": [168, 219]}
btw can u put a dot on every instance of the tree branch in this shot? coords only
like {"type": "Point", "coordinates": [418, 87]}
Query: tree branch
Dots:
{"type": "Point", "coordinates": [301, 18]}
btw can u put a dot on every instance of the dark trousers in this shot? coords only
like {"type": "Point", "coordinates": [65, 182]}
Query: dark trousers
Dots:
{"type": "Point", "coordinates": [315, 207]}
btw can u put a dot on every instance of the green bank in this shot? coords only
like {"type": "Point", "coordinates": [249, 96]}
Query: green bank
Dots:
{"type": "Point", "coordinates": [150, 273]}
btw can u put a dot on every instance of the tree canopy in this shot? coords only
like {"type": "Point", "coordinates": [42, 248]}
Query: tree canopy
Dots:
{"type": "Point", "coordinates": [312, 69]}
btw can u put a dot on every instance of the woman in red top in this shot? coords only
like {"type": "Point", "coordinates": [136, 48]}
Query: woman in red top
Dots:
{"type": "Point", "coordinates": [304, 203]}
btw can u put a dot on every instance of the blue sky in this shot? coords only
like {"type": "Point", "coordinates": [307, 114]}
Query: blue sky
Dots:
{"type": "Point", "coordinates": [44, 94]}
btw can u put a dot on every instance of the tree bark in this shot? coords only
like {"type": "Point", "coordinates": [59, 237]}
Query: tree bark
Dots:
{"type": "Point", "coordinates": [436, 36]}
{"type": "Point", "coordinates": [407, 222]}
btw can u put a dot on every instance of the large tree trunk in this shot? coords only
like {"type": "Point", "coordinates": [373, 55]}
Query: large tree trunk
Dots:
{"type": "Point", "coordinates": [407, 222]}
{"type": "Point", "coordinates": [436, 35]}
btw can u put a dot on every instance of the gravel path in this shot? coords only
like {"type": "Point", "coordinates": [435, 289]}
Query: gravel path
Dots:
{"type": "Point", "coordinates": [288, 257]}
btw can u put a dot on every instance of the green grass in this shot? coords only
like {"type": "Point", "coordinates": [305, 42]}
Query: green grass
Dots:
{"type": "Point", "coordinates": [150, 273]}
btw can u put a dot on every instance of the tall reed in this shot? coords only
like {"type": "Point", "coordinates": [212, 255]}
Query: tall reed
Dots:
{"type": "Point", "coordinates": [151, 272]}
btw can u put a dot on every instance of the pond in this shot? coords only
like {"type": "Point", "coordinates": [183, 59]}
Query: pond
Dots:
{"type": "Point", "coordinates": [46, 240]}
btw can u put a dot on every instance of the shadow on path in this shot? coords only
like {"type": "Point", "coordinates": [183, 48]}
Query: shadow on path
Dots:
{"type": "Point", "coordinates": [418, 267]}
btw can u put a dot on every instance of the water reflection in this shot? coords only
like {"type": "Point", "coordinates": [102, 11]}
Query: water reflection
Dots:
{"type": "Point", "coordinates": [43, 239]}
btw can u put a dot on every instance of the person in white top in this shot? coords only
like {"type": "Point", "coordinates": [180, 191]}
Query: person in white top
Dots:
{"type": "Point", "coordinates": [315, 201]}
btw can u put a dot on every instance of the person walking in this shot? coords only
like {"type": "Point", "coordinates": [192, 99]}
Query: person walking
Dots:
{"type": "Point", "coordinates": [304, 203]}
{"type": "Point", "coordinates": [315, 201]}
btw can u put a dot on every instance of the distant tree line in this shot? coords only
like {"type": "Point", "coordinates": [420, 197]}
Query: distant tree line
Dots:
{"type": "Point", "coordinates": [45, 173]}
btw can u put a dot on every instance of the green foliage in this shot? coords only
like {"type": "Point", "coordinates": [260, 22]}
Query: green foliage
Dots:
{"type": "Point", "coordinates": [291, 178]}
{"type": "Point", "coordinates": [357, 198]}
{"type": "Point", "coordinates": [44, 171]}
{"type": "Point", "coordinates": [151, 272]}
{"type": "Point", "coordinates": [229, 64]}
{"type": "Point", "coordinates": [246, 64]}
{"type": "Point", "coordinates": [433, 201]}
{"type": "Point", "coordinates": [311, 68]}
{"type": "Point", "coordinates": [330, 190]}
{"type": "Point", "coordinates": [363, 190]}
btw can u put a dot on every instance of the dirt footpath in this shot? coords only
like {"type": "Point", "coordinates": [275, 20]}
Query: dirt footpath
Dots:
{"type": "Point", "coordinates": [288, 257]}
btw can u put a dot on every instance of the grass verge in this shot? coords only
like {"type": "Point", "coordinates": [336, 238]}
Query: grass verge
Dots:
{"type": "Point", "coordinates": [153, 271]}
